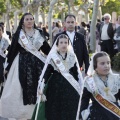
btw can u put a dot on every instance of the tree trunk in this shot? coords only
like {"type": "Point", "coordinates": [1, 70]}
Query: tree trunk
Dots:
{"type": "Point", "coordinates": [68, 7]}
{"type": "Point", "coordinates": [37, 16]}
{"type": "Point", "coordinates": [3, 17]}
{"type": "Point", "coordinates": [7, 22]}
{"type": "Point", "coordinates": [8, 7]}
{"type": "Point", "coordinates": [100, 13]}
{"type": "Point", "coordinates": [16, 19]}
{"type": "Point", "coordinates": [93, 26]}
{"type": "Point", "coordinates": [62, 16]}
{"type": "Point", "coordinates": [24, 9]}
{"type": "Point", "coordinates": [43, 18]}
{"type": "Point", "coordinates": [87, 17]}
{"type": "Point", "coordinates": [52, 3]}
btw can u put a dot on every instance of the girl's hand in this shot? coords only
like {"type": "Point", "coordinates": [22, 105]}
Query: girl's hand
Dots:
{"type": "Point", "coordinates": [5, 72]}
{"type": "Point", "coordinates": [39, 92]}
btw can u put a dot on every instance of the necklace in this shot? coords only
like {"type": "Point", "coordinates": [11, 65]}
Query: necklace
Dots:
{"type": "Point", "coordinates": [64, 58]}
{"type": "Point", "coordinates": [64, 61]}
{"type": "Point", "coordinates": [106, 89]}
{"type": "Point", "coordinates": [31, 36]}
{"type": "Point", "coordinates": [104, 81]}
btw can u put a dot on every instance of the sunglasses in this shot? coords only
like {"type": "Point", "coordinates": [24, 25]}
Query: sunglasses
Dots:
{"type": "Point", "coordinates": [106, 18]}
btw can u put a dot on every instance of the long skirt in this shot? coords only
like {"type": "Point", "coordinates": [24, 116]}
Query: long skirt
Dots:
{"type": "Point", "coordinates": [62, 99]}
{"type": "Point", "coordinates": [13, 102]}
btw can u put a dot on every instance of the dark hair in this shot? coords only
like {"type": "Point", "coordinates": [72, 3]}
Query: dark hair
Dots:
{"type": "Point", "coordinates": [57, 25]}
{"type": "Point", "coordinates": [1, 26]}
{"type": "Point", "coordinates": [21, 24]}
{"type": "Point", "coordinates": [44, 29]}
{"type": "Point", "coordinates": [70, 15]}
{"type": "Point", "coordinates": [2, 23]}
{"type": "Point", "coordinates": [103, 18]}
{"type": "Point", "coordinates": [60, 37]}
{"type": "Point", "coordinates": [100, 54]}
{"type": "Point", "coordinates": [83, 24]}
{"type": "Point", "coordinates": [98, 20]}
{"type": "Point", "coordinates": [22, 21]}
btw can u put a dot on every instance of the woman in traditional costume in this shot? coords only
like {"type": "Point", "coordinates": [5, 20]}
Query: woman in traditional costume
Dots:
{"type": "Point", "coordinates": [64, 83]}
{"type": "Point", "coordinates": [25, 63]}
{"type": "Point", "coordinates": [4, 45]}
{"type": "Point", "coordinates": [103, 88]}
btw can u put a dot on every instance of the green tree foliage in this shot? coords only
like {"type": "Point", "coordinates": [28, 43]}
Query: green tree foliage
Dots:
{"type": "Point", "coordinates": [76, 2]}
{"type": "Point", "coordinates": [2, 7]}
{"type": "Point", "coordinates": [16, 3]}
{"type": "Point", "coordinates": [111, 6]}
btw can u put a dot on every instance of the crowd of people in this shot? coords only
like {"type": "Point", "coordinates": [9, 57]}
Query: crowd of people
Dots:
{"type": "Point", "coordinates": [40, 82]}
{"type": "Point", "coordinates": [102, 28]}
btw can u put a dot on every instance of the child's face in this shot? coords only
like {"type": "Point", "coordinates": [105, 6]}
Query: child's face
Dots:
{"type": "Point", "coordinates": [103, 65]}
{"type": "Point", "coordinates": [63, 45]}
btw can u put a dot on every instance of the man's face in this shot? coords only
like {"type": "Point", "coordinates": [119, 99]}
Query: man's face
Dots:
{"type": "Point", "coordinates": [70, 23]}
{"type": "Point", "coordinates": [106, 19]}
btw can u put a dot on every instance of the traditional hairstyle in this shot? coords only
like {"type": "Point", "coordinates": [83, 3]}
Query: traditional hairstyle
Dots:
{"type": "Point", "coordinates": [96, 56]}
{"type": "Point", "coordinates": [60, 37]}
{"type": "Point", "coordinates": [21, 24]}
{"type": "Point", "coordinates": [22, 21]}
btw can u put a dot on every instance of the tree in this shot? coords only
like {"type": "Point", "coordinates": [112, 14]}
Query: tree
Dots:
{"type": "Point", "coordinates": [93, 26]}
{"type": "Point", "coordinates": [111, 6]}
{"type": "Point", "coordinates": [2, 7]}
{"type": "Point", "coordinates": [52, 3]}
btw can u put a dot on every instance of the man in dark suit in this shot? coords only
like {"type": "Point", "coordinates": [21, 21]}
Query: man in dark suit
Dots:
{"type": "Point", "coordinates": [77, 41]}
{"type": "Point", "coordinates": [107, 34]}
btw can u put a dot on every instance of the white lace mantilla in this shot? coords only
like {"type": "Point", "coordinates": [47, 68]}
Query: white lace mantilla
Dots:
{"type": "Point", "coordinates": [69, 62]}
{"type": "Point", "coordinates": [113, 85]}
{"type": "Point", "coordinates": [37, 40]}
{"type": "Point", "coordinates": [4, 43]}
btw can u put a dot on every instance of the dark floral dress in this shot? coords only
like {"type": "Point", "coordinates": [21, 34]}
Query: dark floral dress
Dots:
{"type": "Point", "coordinates": [97, 112]}
{"type": "Point", "coordinates": [30, 67]}
{"type": "Point", "coordinates": [62, 98]}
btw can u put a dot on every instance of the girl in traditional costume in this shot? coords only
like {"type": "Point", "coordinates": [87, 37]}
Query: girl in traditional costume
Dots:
{"type": "Point", "coordinates": [64, 83]}
{"type": "Point", "coordinates": [4, 45]}
{"type": "Point", "coordinates": [25, 64]}
{"type": "Point", "coordinates": [103, 88]}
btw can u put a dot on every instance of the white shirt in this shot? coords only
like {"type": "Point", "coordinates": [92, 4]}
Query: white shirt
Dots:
{"type": "Point", "coordinates": [104, 34]}
{"type": "Point", "coordinates": [71, 35]}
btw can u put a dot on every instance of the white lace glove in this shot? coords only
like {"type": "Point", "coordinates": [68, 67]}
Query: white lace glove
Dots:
{"type": "Point", "coordinates": [43, 97]}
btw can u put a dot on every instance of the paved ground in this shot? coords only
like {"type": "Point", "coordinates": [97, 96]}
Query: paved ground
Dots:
{"type": "Point", "coordinates": [1, 118]}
